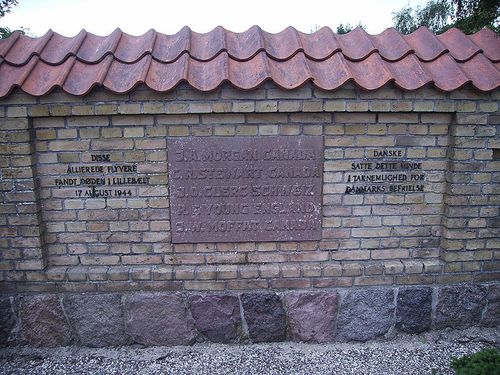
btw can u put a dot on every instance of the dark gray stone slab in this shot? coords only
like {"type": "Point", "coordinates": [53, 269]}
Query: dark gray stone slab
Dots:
{"type": "Point", "coordinates": [459, 306]}
{"type": "Point", "coordinates": [156, 319]}
{"type": "Point", "coordinates": [491, 315]}
{"type": "Point", "coordinates": [239, 189]}
{"type": "Point", "coordinates": [43, 322]}
{"type": "Point", "coordinates": [218, 317]}
{"type": "Point", "coordinates": [311, 316]}
{"type": "Point", "coordinates": [365, 314]}
{"type": "Point", "coordinates": [97, 319]}
{"type": "Point", "coordinates": [414, 310]}
{"type": "Point", "coordinates": [265, 316]}
{"type": "Point", "coordinates": [8, 319]}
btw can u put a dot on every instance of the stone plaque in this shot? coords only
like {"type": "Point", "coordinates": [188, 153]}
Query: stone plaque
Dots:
{"type": "Point", "coordinates": [241, 189]}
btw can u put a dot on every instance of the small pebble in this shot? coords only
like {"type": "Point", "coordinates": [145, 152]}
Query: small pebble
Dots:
{"type": "Point", "coordinates": [407, 355]}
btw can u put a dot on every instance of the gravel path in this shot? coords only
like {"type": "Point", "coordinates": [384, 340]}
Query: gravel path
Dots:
{"type": "Point", "coordinates": [425, 354]}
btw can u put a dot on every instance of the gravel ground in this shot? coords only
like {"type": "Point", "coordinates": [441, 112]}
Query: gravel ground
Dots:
{"type": "Point", "coordinates": [424, 354]}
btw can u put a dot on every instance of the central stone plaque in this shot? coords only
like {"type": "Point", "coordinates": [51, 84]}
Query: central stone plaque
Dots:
{"type": "Point", "coordinates": [241, 189]}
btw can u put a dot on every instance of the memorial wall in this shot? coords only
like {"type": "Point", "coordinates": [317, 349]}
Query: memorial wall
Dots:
{"type": "Point", "coordinates": [242, 193]}
{"type": "Point", "coordinates": [232, 203]}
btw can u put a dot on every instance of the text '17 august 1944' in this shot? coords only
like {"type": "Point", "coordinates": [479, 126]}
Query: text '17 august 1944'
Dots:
{"type": "Point", "coordinates": [106, 180]}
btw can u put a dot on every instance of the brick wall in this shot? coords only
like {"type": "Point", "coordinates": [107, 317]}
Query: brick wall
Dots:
{"type": "Point", "coordinates": [56, 239]}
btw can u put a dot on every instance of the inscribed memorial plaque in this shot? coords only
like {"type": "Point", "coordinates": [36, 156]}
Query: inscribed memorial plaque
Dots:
{"type": "Point", "coordinates": [239, 189]}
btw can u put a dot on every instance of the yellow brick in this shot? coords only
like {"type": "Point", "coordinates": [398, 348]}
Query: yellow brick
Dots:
{"type": "Point", "coordinates": [202, 130]}
{"type": "Point", "coordinates": [46, 134]}
{"type": "Point", "coordinates": [111, 133]}
{"type": "Point", "coordinates": [488, 107]}
{"type": "Point", "coordinates": [82, 110]}
{"type": "Point", "coordinates": [89, 133]}
{"type": "Point", "coordinates": [153, 107]}
{"type": "Point", "coordinates": [335, 105]}
{"type": "Point", "coordinates": [289, 106]}
{"type": "Point", "coordinates": [289, 129]}
{"type": "Point", "coordinates": [178, 131]}
{"type": "Point", "coordinates": [106, 109]}
{"type": "Point", "coordinates": [129, 108]}
{"type": "Point", "coordinates": [377, 129]}
{"type": "Point", "coordinates": [133, 132]}
{"type": "Point", "coordinates": [69, 145]}
{"type": "Point", "coordinates": [313, 130]}
{"type": "Point", "coordinates": [357, 106]}
{"type": "Point", "coordinates": [225, 130]}
{"type": "Point", "coordinates": [466, 106]}
{"type": "Point", "coordinates": [266, 106]}
{"type": "Point", "coordinates": [423, 106]}
{"type": "Point", "coordinates": [268, 129]}
{"type": "Point", "coordinates": [355, 129]}
{"type": "Point", "coordinates": [60, 110]}
{"type": "Point", "coordinates": [38, 110]}
{"type": "Point", "coordinates": [17, 111]}
{"type": "Point", "coordinates": [380, 106]}
{"type": "Point", "coordinates": [243, 106]}
{"type": "Point", "coordinates": [246, 129]}
{"type": "Point", "coordinates": [374, 141]}
{"type": "Point", "coordinates": [67, 133]}
{"type": "Point", "coordinates": [312, 106]}
{"type": "Point", "coordinates": [221, 107]}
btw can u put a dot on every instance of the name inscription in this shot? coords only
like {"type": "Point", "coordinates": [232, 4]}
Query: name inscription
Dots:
{"type": "Point", "coordinates": [242, 189]}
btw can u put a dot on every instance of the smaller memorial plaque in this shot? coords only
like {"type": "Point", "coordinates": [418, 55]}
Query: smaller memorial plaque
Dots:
{"type": "Point", "coordinates": [240, 189]}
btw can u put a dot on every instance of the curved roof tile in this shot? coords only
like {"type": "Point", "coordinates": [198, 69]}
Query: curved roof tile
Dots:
{"type": "Point", "coordinates": [121, 61]}
{"type": "Point", "coordinates": [94, 48]}
{"type": "Point", "coordinates": [459, 45]}
{"type": "Point", "coordinates": [487, 40]}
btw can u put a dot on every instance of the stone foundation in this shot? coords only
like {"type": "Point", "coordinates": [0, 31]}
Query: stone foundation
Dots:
{"type": "Point", "coordinates": [344, 315]}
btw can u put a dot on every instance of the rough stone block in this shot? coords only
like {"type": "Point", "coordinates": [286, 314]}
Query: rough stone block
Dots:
{"type": "Point", "coordinates": [311, 316]}
{"type": "Point", "coordinates": [459, 306]}
{"type": "Point", "coordinates": [159, 320]}
{"type": "Point", "coordinates": [217, 317]}
{"type": "Point", "coordinates": [43, 322]}
{"type": "Point", "coordinates": [97, 319]}
{"type": "Point", "coordinates": [365, 314]}
{"type": "Point", "coordinates": [413, 311]}
{"type": "Point", "coordinates": [491, 315]}
{"type": "Point", "coordinates": [265, 316]}
{"type": "Point", "coordinates": [8, 320]}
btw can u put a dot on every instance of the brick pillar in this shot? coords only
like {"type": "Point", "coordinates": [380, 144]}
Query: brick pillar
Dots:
{"type": "Point", "coordinates": [21, 244]}
{"type": "Point", "coordinates": [470, 222]}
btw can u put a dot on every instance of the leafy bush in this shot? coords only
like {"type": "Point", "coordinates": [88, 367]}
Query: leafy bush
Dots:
{"type": "Point", "coordinates": [484, 362]}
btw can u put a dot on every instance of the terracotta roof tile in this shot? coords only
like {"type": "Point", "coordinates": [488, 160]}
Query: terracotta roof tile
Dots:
{"type": "Point", "coordinates": [94, 48]}
{"type": "Point", "coordinates": [459, 45]}
{"type": "Point", "coordinates": [391, 45]}
{"type": "Point", "coordinates": [120, 61]}
{"type": "Point", "coordinates": [59, 48]}
{"type": "Point", "coordinates": [487, 40]}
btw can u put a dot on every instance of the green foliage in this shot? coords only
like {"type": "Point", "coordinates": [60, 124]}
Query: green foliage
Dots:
{"type": "Point", "coordinates": [435, 15]}
{"type": "Point", "coordinates": [5, 32]}
{"type": "Point", "coordinates": [472, 15]}
{"type": "Point", "coordinates": [484, 362]}
{"type": "Point", "coordinates": [344, 29]}
{"type": "Point", "coordinates": [5, 6]}
{"type": "Point", "coordinates": [440, 15]}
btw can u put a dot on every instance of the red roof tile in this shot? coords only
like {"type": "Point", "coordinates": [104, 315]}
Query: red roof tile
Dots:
{"type": "Point", "coordinates": [120, 61]}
